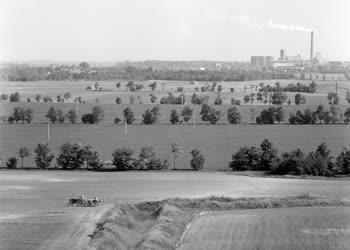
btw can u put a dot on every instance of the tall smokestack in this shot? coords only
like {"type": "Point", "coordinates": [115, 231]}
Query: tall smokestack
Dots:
{"type": "Point", "coordinates": [312, 48]}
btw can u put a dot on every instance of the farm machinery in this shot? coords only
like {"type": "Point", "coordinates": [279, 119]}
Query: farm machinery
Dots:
{"type": "Point", "coordinates": [82, 201]}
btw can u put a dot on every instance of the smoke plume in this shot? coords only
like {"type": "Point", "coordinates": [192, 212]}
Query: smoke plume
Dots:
{"type": "Point", "coordinates": [287, 27]}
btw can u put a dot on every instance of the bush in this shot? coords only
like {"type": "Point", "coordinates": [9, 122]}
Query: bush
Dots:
{"type": "Point", "coordinates": [151, 116]}
{"type": "Point", "coordinates": [174, 117]}
{"type": "Point", "coordinates": [15, 97]}
{"type": "Point", "coordinates": [117, 120]}
{"type": "Point", "coordinates": [123, 158]}
{"type": "Point", "coordinates": [246, 158]}
{"type": "Point", "coordinates": [118, 100]}
{"type": "Point", "coordinates": [290, 163]}
{"type": "Point", "coordinates": [43, 156]}
{"type": "Point", "coordinates": [197, 161]}
{"type": "Point", "coordinates": [11, 162]}
{"type": "Point", "coordinates": [88, 118]}
{"type": "Point", "coordinates": [186, 113]}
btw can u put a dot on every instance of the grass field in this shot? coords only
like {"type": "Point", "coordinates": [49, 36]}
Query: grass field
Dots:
{"type": "Point", "coordinates": [217, 143]}
{"type": "Point", "coordinates": [32, 203]}
{"type": "Point", "coordinates": [285, 228]}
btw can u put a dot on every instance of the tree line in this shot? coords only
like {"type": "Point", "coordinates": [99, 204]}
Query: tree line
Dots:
{"type": "Point", "coordinates": [208, 115]}
{"type": "Point", "coordinates": [265, 157]}
{"type": "Point", "coordinates": [73, 156]}
{"type": "Point", "coordinates": [83, 71]}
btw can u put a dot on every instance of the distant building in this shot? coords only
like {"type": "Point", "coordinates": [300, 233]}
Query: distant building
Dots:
{"type": "Point", "coordinates": [261, 61]}
{"type": "Point", "coordinates": [282, 55]}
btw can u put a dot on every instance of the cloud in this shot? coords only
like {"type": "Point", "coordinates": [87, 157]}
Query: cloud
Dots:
{"type": "Point", "coordinates": [245, 20]}
{"type": "Point", "coordinates": [287, 27]}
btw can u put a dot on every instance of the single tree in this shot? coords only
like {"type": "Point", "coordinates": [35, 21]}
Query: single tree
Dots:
{"type": "Point", "coordinates": [52, 114]}
{"type": "Point", "coordinates": [43, 156]}
{"type": "Point", "coordinates": [72, 116]}
{"type": "Point", "coordinates": [67, 96]}
{"type": "Point", "coordinates": [23, 152]}
{"type": "Point", "coordinates": [186, 113]}
{"type": "Point", "coordinates": [197, 161]}
{"type": "Point", "coordinates": [233, 115]}
{"type": "Point", "coordinates": [176, 151]}
{"type": "Point", "coordinates": [128, 115]}
{"type": "Point", "coordinates": [98, 114]}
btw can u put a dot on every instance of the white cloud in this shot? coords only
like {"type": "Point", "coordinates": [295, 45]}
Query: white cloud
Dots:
{"type": "Point", "coordinates": [242, 19]}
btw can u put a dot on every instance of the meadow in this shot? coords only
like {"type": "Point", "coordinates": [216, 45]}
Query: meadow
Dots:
{"type": "Point", "coordinates": [284, 228]}
{"type": "Point", "coordinates": [217, 143]}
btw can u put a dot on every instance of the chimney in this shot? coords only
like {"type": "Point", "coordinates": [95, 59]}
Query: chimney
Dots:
{"type": "Point", "coordinates": [312, 48]}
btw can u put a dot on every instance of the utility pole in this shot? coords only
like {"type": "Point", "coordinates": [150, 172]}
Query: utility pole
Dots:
{"type": "Point", "coordinates": [77, 108]}
{"type": "Point", "coordinates": [48, 132]}
{"type": "Point", "coordinates": [182, 102]}
{"type": "Point", "coordinates": [194, 118]}
{"type": "Point", "coordinates": [336, 87]}
{"type": "Point", "coordinates": [125, 127]}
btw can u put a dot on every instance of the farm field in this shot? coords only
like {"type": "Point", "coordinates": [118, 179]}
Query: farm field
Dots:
{"type": "Point", "coordinates": [217, 143]}
{"type": "Point", "coordinates": [284, 228]}
{"type": "Point", "coordinates": [110, 92]}
{"type": "Point", "coordinates": [32, 203]}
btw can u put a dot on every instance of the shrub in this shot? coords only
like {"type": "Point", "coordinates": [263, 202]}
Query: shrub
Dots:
{"type": "Point", "coordinates": [118, 100]}
{"type": "Point", "coordinates": [233, 115]}
{"type": "Point", "coordinates": [88, 118]}
{"type": "Point", "coordinates": [151, 116]}
{"type": "Point", "coordinates": [11, 162]}
{"type": "Point", "coordinates": [174, 117]}
{"type": "Point", "coordinates": [186, 113]}
{"type": "Point", "coordinates": [293, 163]}
{"type": "Point", "coordinates": [117, 120]}
{"type": "Point", "coordinates": [123, 158]}
{"type": "Point", "coordinates": [197, 161]}
{"type": "Point", "coordinates": [218, 100]}
{"type": "Point", "coordinates": [15, 97]}
{"type": "Point", "coordinates": [246, 158]}
{"type": "Point", "coordinates": [43, 156]}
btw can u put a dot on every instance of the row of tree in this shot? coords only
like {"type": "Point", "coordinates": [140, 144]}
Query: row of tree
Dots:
{"type": "Point", "coordinates": [320, 115]}
{"type": "Point", "coordinates": [15, 72]}
{"type": "Point", "coordinates": [266, 158]}
{"type": "Point", "coordinates": [77, 156]}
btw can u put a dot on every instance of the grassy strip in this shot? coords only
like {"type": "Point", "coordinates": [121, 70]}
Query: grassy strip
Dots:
{"type": "Point", "coordinates": [160, 224]}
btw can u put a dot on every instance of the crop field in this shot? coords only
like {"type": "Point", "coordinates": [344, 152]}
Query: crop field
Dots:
{"type": "Point", "coordinates": [110, 91]}
{"type": "Point", "coordinates": [32, 203]}
{"type": "Point", "coordinates": [217, 143]}
{"type": "Point", "coordinates": [284, 228]}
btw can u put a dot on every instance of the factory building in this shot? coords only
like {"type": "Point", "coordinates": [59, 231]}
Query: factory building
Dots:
{"type": "Point", "coordinates": [261, 61]}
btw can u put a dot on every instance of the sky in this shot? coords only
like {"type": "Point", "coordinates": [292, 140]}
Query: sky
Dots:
{"type": "Point", "coordinates": [118, 30]}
